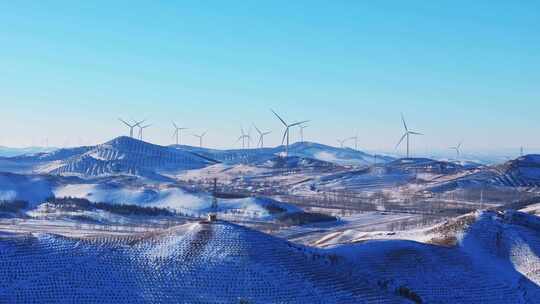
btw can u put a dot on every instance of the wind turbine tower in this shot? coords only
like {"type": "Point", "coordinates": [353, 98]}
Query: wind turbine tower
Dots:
{"type": "Point", "coordinates": [342, 142]}
{"type": "Point", "coordinates": [131, 126]}
{"type": "Point", "coordinates": [355, 138]}
{"type": "Point", "coordinates": [177, 133]}
{"type": "Point", "coordinates": [457, 149]}
{"type": "Point", "coordinates": [244, 137]}
{"type": "Point", "coordinates": [302, 127]}
{"type": "Point", "coordinates": [200, 137]}
{"type": "Point", "coordinates": [287, 129]}
{"type": "Point", "coordinates": [141, 128]}
{"type": "Point", "coordinates": [261, 136]}
{"type": "Point", "coordinates": [406, 135]}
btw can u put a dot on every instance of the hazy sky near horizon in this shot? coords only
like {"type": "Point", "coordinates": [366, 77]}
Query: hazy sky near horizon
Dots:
{"type": "Point", "coordinates": [458, 70]}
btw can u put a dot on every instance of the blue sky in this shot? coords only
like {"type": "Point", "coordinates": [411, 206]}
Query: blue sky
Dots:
{"type": "Point", "coordinates": [459, 70]}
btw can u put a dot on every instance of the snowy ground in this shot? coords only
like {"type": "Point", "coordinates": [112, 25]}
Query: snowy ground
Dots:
{"type": "Point", "coordinates": [348, 227]}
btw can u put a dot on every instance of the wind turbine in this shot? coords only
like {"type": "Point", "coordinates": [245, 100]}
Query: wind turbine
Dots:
{"type": "Point", "coordinates": [261, 136]}
{"type": "Point", "coordinates": [244, 136]}
{"type": "Point", "coordinates": [141, 128]}
{"type": "Point", "coordinates": [177, 133]}
{"type": "Point", "coordinates": [287, 128]}
{"type": "Point", "coordinates": [407, 134]}
{"type": "Point", "coordinates": [131, 126]}
{"type": "Point", "coordinates": [355, 141]}
{"type": "Point", "coordinates": [302, 127]}
{"type": "Point", "coordinates": [248, 138]}
{"type": "Point", "coordinates": [200, 137]}
{"type": "Point", "coordinates": [457, 149]}
{"type": "Point", "coordinates": [342, 142]}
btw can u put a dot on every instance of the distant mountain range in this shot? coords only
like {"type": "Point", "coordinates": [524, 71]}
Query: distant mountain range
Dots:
{"type": "Point", "coordinates": [316, 151]}
{"type": "Point", "coordinates": [125, 155]}
{"type": "Point", "coordinates": [10, 152]}
{"type": "Point", "coordinates": [344, 167]}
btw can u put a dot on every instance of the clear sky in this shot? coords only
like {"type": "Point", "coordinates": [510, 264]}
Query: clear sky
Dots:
{"type": "Point", "coordinates": [458, 70]}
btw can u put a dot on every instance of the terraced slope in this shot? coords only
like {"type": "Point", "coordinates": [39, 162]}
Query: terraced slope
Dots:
{"type": "Point", "coordinates": [197, 263]}
{"type": "Point", "coordinates": [128, 156]}
{"type": "Point", "coordinates": [523, 172]}
{"type": "Point", "coordinates": [372, 179]}
{"type": "Point", "coordinates": [386, 176]}
{"type": "Point", "coordinates": [496, 261]}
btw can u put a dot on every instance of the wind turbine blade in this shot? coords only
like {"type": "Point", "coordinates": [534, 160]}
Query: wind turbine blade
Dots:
{"type": "Point", "coordinates": [139, 123]}
{"type": "Point", "coordinates": [415, 133]}
{"type": "Point", "coordinates": [401, 140]}
{"type": "Point", "coordinates": [266, 133]}
{"type": "Point", "coordinates": [175, 126]}
{"type": "Point", "coordinates": [404, 123]}
{"type": "Point", "coordinates": [124, 122]}
{"type": "Point", "coordinates": [258, 131]}
{"type": "Point", "coordinates": [298, 123]}
{"type": "Point", "coordinates": [283, 121]}
{"type": "Point", "coordinates": [284, 135]}
{"type": "Point", "coordinates": [202, 135]}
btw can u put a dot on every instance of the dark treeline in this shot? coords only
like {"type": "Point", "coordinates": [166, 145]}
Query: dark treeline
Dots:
{"type": "Point", "coordinates": [76, 204]}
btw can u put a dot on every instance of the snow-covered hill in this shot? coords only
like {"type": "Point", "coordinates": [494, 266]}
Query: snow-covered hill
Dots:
{"type": "Point", "coordinates": [393, 174]}
{"type": "Point", "coordinates": [232, 156]}
{"type": "Point", "coordinates": [523, 172]}
{"type": "Point", "coordinates": [297, 163]}
{"type": "Point", "coordinates": [339, 156]}
{"type": "Point", "coordinates": [122, 155]}
{"type": "Point", "coordinates": [496, 260]}
{"type": "Point", "coordinates": [424, 165]}
{"type": "Point", "coordinates": [36, 189]}
{"type": "Point", "coordinates": [195, 263]}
